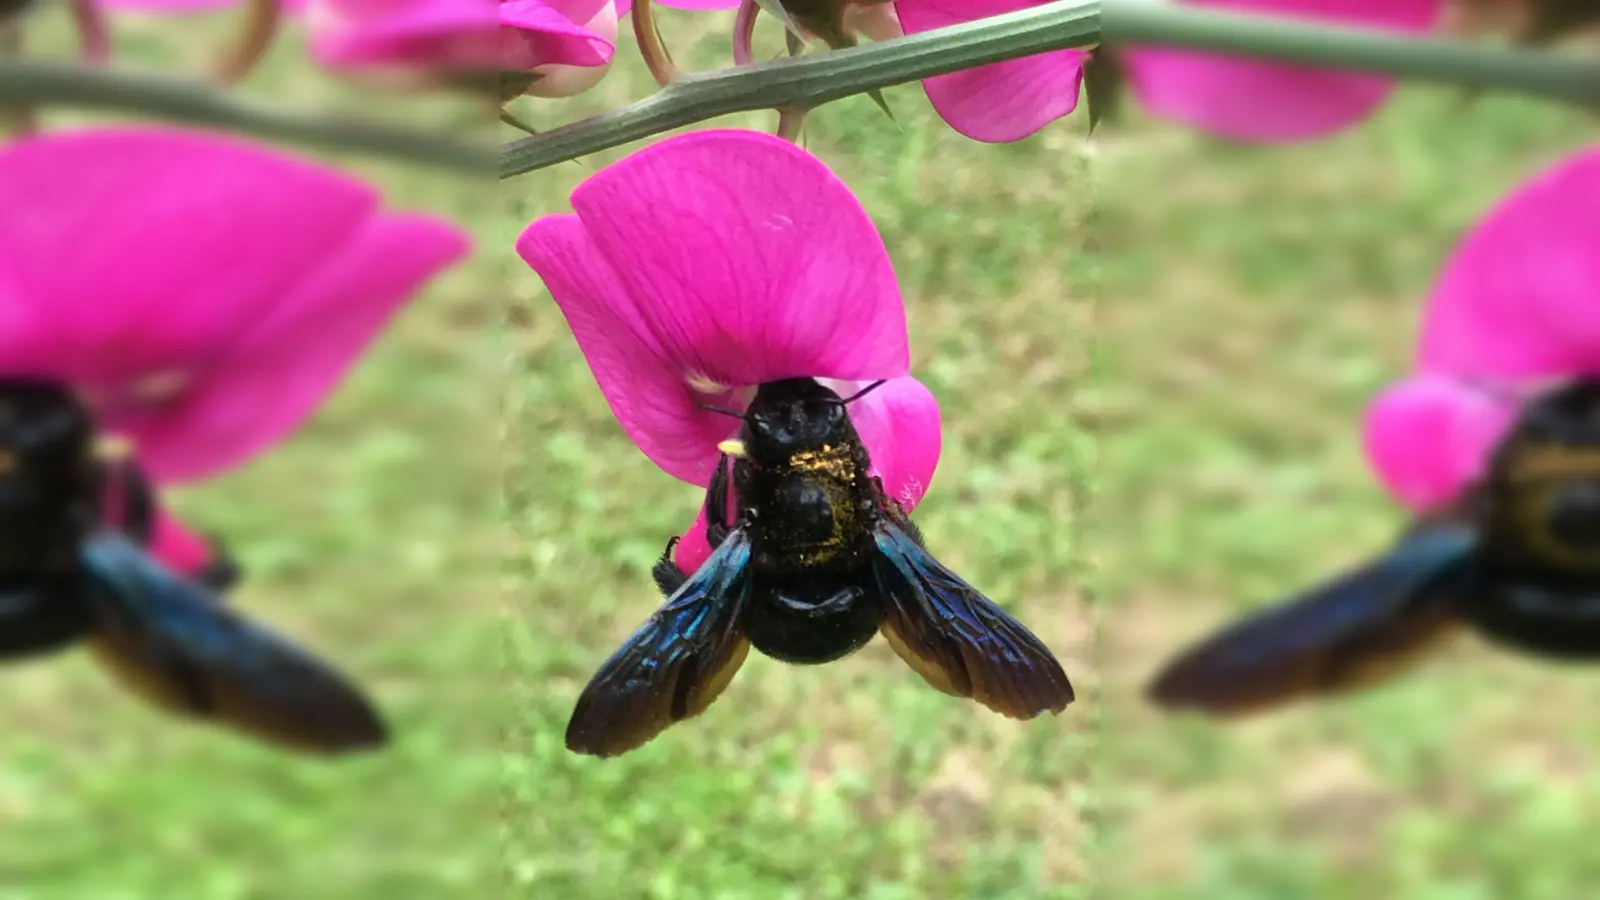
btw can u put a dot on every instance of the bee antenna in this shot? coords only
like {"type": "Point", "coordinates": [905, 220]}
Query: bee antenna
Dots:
{"type": "Point", "coordinates": [718, 409]}
{"type": "Point", "coordinates": [864, 391]}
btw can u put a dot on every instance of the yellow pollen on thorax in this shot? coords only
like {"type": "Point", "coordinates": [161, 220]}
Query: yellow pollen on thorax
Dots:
{"type": "Point", "coordinates": [1557, 461]}
{"type": "Point", "coordinates": [833, 462]}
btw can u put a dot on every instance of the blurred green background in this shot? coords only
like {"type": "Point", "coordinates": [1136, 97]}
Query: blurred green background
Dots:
{"type": "Point", "coordinates": [1253, 301]}
{"type": "Point", "coordinates": [1152, 352]}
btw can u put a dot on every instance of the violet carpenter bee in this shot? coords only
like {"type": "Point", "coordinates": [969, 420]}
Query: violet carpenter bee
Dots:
{"type": "Point", "coordinates": [67, 577]}
{"type": "Point", "coordinates": [1516, 558]}
{"type": "Point", "coordinates": [818, 559]}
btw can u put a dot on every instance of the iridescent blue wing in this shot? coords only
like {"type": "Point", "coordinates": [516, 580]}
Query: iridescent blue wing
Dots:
{"type": "Point", "coordinates": [959, 641]}
{"type": "Point", "coordinates": [674, 666]}
{"type": "Point", "coordinates": [1360, 628]}
{"type": "Point", "coordinates": [170, 641]}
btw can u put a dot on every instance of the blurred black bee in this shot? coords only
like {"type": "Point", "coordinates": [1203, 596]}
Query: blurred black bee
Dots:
{"type": "Point", "coordinates": [1516, 558]}
{"type": "Point", "coordinates": [819, 560]}
{"type": "Point", "coordinates": [66, 577]}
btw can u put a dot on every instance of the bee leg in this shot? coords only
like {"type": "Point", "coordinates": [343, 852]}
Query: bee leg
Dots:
{"type": "Point", "coordinates": [717, 526]}
{"type": "Point", "coordinates": [130, 495]}
{"type": "Point", "coordinates": [223, 572]}
{"type": "Point", "coordinates": [667, 575]}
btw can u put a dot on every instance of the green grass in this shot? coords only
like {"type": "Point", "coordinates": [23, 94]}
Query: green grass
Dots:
{"type": "Point", "coordinates": [1151, 352]}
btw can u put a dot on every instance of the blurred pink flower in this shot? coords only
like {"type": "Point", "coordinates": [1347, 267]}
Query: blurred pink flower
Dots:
{"type": "Point", "coordinates": [203, 295]}
{"type": "Point", "coordinates": [1518, 306]}
{"type": "Point", "coordinates": [1251, 100]}
{"type": "Point", "coordinates": [569, 43]}
{"type": "Point", "coordinates": [1005, 101]}
{"type": "Point", "coordinates": [188, 6]}
{"type": "Point", "coordinates": [706, 264]}
{"type": "Point", "coordinates": [437, 35]}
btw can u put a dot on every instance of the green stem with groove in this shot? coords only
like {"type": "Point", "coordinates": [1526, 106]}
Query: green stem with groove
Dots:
{"type": "Point", "coordinates": [809, 81]}
{"type": "Point", "coordinates": [817, 79]}
{"type": "Point", "coordinates": [28, 82]}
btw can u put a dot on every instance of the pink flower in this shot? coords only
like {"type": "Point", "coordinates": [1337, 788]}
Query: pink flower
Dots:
{"type": "Point", "coordinates": [201, 294]}
{"type": "Point", "coordinates": [187, 6]}
{"type": "Point", "coordinates": [568, 43]}
{"type": "Point", "coordinates": [1252, 100]}
{"type": "Point", "coordinates": [439, 35]}
{"type": "Point", "coordinates": [1005, 101]}
{"type": "Point", "coordinates": [1518, 306]}
{"type": "Point", "coordinates": [707, 264]}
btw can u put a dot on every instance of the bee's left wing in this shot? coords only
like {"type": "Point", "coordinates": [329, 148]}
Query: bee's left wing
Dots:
{"type": "Point", "coordinates": [1354, 630]}
{"type": "Point", "coordinates": [173, 643]}
{"type": "Point", "coordinates": [958, 640]}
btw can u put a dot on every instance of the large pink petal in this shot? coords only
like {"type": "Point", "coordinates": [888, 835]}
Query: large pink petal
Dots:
{"type": "Point", "coordinates": [1429, 436]}
{"type": "Point", "coordinates": [1005, 101]}
{"type": "Point", "coordinates": [707, 264]}
{"type": "Point", "coordinates": [1251, 100]}
{"type": "Point", "coordinates": [138, 252]}
{"type": "Point", "coordinates": [1520, 298]}
{"type": "Point", "coordinates": [535, 34]}
{"type": "Point", "coordinates": [900, 424]}
{"type": "Point", "coordinates": [652, 402]}
{"type": "Point", "coordinates": [746, 260]}
{"type": "Point", "coordinates": [417, 33]}
{"type": "Point", "coordinates": [280, 368]}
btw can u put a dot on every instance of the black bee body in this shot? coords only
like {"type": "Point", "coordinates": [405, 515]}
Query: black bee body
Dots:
{"type": "Point", "coordinates": [48, 482]}
{"type": "Point", "coordinates": [1537, 580]}
{"type": "Point", "coordinates": [67, 577]}
{"type": "Point", "coordinates": [1516, 559]}
{"type": "Point", "coordinates": [816, 560]}
{"type": "Point", "coordinates": [811, 556]}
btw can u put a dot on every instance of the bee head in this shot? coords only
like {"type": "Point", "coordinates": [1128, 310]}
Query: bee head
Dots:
{"type": "Point", "coordinates": [792, 416]}
{"type": "Point", "coordinates": [1544, 478]}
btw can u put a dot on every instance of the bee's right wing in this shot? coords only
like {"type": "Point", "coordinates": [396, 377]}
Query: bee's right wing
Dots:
{"type": "Point", "coordinates": [675, 665]}
{"type": "Point", "coordinates": [1357, 629]}
{"type": "Point", "coordinates": [958, 640]}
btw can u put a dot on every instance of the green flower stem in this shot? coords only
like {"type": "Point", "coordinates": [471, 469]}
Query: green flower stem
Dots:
{"type": "Point", "coordinates": [820, 78]}
{"type": "Point", "coordinates": [812, 80]}
{"type": "Point", "coordinates": [1571, 79]}
{"type": "Point", "coordinates": [27, 82]}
